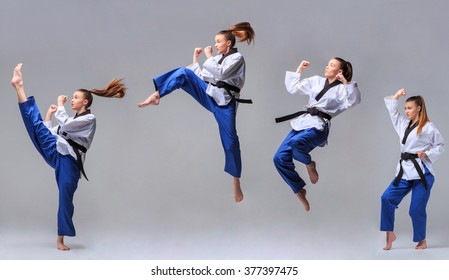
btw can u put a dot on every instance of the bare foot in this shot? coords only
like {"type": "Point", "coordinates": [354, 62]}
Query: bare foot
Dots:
{"type": "Point", "coordinates": [60, 244]}
{"type": "Point", "coordinates": [17, 79]}
{"type": "Point", "coordinates": [17, 83]}
{"type": "Point", "coordinates": [238, 194]}
{"type": "Point", "coordinates": [302, 197]}
{"type": "Point", "coordinates": [313, 174]}
{"type": "Point", "coordinates": [421, 245]}
{"type": "Point", "coordinates": [153, 99]}
{"type": "Point", "coordinates": [391, 237]}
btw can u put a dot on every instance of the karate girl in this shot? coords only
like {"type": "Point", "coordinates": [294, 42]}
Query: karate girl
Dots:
{"type": "Point", "coordinates": [216, 86]}
{"type": "Point", "coordinates": [63, 147]}
{"type": "Point", "coordinates": [421, 145]}
{"type": "Point", "coordinates": [329, 96]}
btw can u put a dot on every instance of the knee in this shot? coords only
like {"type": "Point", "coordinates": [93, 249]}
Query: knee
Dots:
{"type": "Point", "coordinates": [185, 72]}
{"type": "Point", "coordinates": [385, 199]}
{"type": "Point", "coordinates": [417, 211]}
{"type": "Point", "coordinates": [280, 159]}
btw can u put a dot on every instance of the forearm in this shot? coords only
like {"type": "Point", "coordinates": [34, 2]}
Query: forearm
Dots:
{"type": "Point", "coordinates": [48, 117]}
{"type": "Point", "coordinates": [21, 96]}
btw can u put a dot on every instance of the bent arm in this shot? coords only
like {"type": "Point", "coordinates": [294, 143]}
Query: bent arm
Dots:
{"type": "Point", "coordinates": [438, 146]}
{"type": "Point", "coordinates": [351, 94]}
{"type": "Point", "coordinates": [397, 119]}
{"type": "Point", "coordinates": [295, 85]}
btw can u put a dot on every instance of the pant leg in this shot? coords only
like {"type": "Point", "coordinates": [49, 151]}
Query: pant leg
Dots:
{"type": "Point", "coordinates": [283, 161]}
{"type": "Point", "coordinates": [40, 135]}
{"type": "Point", "coordinates": [304, 142]}
{"type": "Point", "coordinates": [67, 176]}
{"type": "Point", "coordinates": [297, 145]}
{"type": "Point", "coordinates": [390, 199]}
{"type": "Point", "coordinates": [225, 117]}
{"type": "Point", "coordinates": [418, 204]}
{"type": "Point", "coordinates": [186, 79]}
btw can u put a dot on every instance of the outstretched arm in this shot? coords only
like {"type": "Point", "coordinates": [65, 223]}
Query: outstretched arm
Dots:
{"type": "Point", "coordinates": [17, 83]}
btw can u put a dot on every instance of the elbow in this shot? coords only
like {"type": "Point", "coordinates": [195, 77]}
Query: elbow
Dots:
{"type": "Point", "coordinates": [290, 89]}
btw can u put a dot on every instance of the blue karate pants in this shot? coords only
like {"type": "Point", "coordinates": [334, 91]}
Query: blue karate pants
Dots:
{"type": "Point", "coordinates": [66, 170]}
{"type": "Point", "coordinates": [297, 145]}
{"type": "Point", "coordinates": [393, 195]}
{"type": "Point", "coordinates": [224, 115]}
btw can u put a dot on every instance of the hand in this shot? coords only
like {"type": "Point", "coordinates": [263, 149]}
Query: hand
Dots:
{"type": "Point", "coordinates": [399, 93]}
{"type": "Point", "coordinates": [341, 78]}
{"type": "Point", "coordinates": [197, 52]}
{"type": "Point", "coordinates": [52, 109]}
{"type": "Point", "coordinates": [303, 65]}
{"type": "Point", "coordinates": [62, 99]}
{"type": "Point", "coordinates": [208, 51]}
{"type": "Point", "coordinates": [17, 80]}
{"type": "Point", "coordinates": [422, 155]}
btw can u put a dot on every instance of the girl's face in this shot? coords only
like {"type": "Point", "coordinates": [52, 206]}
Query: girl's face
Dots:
{"type": "Point", "coordinates": [78, 101]}
{"type": "Point", "coordinates": [411, 110]}
{"type": "Point", "coordinates": [222, 45]}
{"type": "Point", "coordinates": [332, 69]}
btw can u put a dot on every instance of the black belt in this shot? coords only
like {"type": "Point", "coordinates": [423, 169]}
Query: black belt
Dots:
{"type": "Point", "coordinates": [76, 148]}
{"type": "Point", "coordinates": [79, 161]}
{"type": "Point", "coordinates": [229, 88]}
{"type": "Point", "coordinates": [412, 157]}
{"type": "Point", "coordinates": [312, 111]}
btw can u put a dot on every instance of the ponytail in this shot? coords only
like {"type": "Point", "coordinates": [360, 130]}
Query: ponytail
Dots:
{"type": "Point", "coordinates": [346, 68]}
{"type": "Point", "coordinates": [243, 31]}
{"type": "Point", "coordinates": [115, 88]}
{"type": "Point", "coordinates": [423, 119]}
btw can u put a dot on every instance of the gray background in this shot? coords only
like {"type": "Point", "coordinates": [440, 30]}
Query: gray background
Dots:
{"type": "Point", "coordinates": [157, 188]}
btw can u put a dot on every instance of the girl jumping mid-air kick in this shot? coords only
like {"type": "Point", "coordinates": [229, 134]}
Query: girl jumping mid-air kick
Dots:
{"type": "Point", "coordinates": [329, 96]}
{"type": "Point", "coordinates": [216, 86]}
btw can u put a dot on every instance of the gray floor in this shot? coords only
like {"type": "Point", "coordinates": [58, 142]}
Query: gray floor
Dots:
{"type": "Point", "coordinates": [246, 232]}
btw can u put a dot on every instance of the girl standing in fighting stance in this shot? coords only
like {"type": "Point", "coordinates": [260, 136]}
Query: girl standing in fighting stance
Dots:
{"type": "Point", "coordinates": [63, 147]}
{"type": "Point", "coordinates": [421, 145]}
{"type": "Point", "coordinates": [329, 96]}
{"type": "Point", "coordinates": [216, 86]}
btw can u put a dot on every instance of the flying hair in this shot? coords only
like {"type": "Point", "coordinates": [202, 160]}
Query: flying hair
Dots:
{"type": "Point", "coordinates": [114, 89]}
{"type": "Point", "coordinates": [242, 30]}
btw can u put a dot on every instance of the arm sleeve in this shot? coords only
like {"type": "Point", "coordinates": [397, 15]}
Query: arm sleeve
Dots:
{"type": "Point", "coordinates": [397, 119]}
{"type": "Point", "coordinates": [351, 94]}
{"type": "Point", "coordinates": [295, 85]}
{"type": "Point", "coordinates": [438, 146]}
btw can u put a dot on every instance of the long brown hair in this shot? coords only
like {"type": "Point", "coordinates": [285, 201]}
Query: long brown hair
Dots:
{"type": "Point", "coordinates": [423, 119]}
{"type": "Point", "coordinates": [115, 88]}
{"type": "Point", "coordinates": [241, 30]}
{"type": "Point", "coordinates": [346, 68]}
